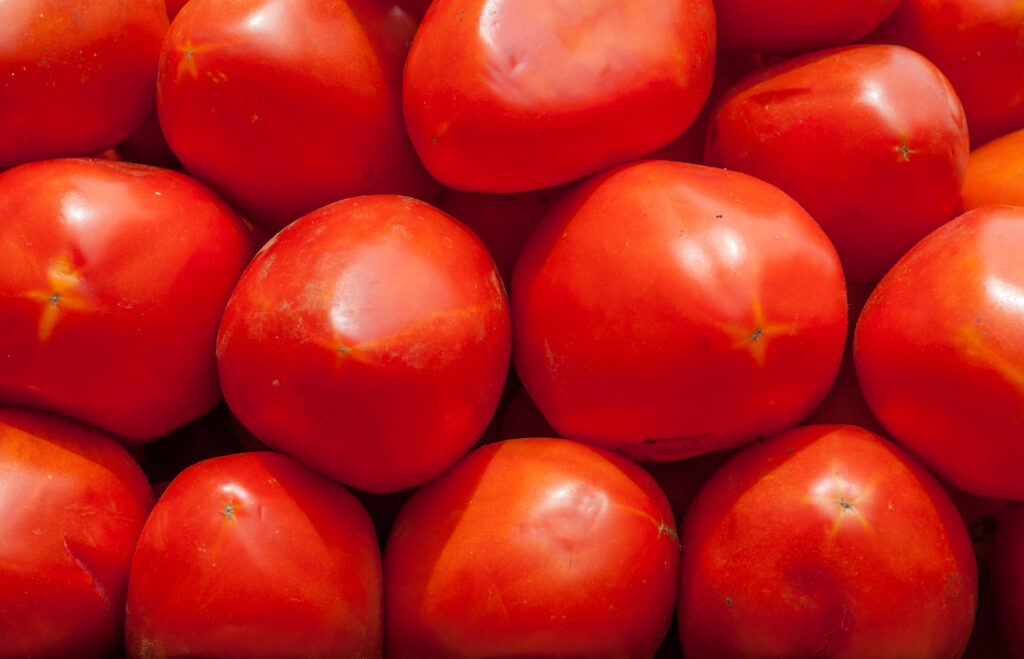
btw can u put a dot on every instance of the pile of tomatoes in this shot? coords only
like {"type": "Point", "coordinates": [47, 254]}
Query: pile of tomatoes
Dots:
{"type": "Point", "coordinates": [482, 328]}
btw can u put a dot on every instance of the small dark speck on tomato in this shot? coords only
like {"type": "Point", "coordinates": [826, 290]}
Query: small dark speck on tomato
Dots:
{"type": "Point", "coordinates": [718, 217]}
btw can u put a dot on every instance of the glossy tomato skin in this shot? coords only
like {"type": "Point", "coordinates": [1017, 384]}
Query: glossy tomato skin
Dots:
{"type": "Point", "coordinates": [995, 173]}
{"type": "Point", "coordinates": [533, 547]}
{"type": "Point", "coordinates": [72, 505]}
{"type": "Point", "coordinates": [114, 280]}
{"type": "Point", "coordinates": [796, 26]}
{"type": "Point", "coordinates": [284, 106]}
{"type": "Point", "coordinates": [825, 541]}
{"type": "Point", "coordinates": [369, 339]}
{"type": "Point", "coordinates": [977, 44]}
{"type": "Point", "coordinates": [255, 555]}
{"type": "Point", "coordinates": [939, 352]}
{"type": "Point", "coordinates": [871, 140]}
{"type": "Point", "coordinates": [666, 310]}
{"type": "Point", "coordinates": [516, 96]}
{"type": "Point", "coordinates": [1008, 577]}
{"type": "Point", "coordinates": [76, 77]}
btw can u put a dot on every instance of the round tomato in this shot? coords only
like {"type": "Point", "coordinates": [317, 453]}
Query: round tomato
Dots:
{"type": "Point", "coordinates": [77, 76]}
{"type": "Point", "coordinates": [113, 282]}
{"type": "Point", "coordinates": [369, 339]}
{"type": "Point", "coordinates": [939, 352]}
{"type": "Point", "coordinates": [284, 106]}
{"type": "Point", "coordinates": [515, 96]}
{"type": "Point", "coordinates": [666, 310]}
{"type": "Point", "coordinates": [72, 505]}
{"type": "Point", "coordinates": [532, 548]}
{"type": "Point", "coordinates": [871, 140]}
{"type": "Point", "coordinates": [995, 173]}
{"type": "Point", "coordinates": [255, 555]}
{"type": "Point", "coordinates": [825, 541]}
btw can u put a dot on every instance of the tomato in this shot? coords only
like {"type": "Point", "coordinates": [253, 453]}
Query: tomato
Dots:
{"type": "Point", "coordinates": [794, 26]}
{"type": "Point", "coordinates": [978, 45]}
{"type": "Point", "coordinates": [77, 76]}
{"type": "Point", "coordinates": [114, 280]}
{"type": "Point", "coordinates": [825, 541]}
{"type": "Point", "coordinates": [995, 173]}
{"type": "Point", "coordinates": [532, 547]}
{"type": "Point", "coordinates": [667, 310]}
{"type": "Point", "coordinates": [515, 96]}
{"type": "Point", "coordinates": [72, 505]}
{"type": "Point", "coordinates": [255, 555]}
{"type": "Point", "coordinates": [1008, 577]}
{"type": "Point", "coordinates": [284, 106]}
{"type": "Point", "coordinates": [939, 352]}
{"type": "Point", "coordinates": [871, 140]}
{"type": "Point", "coordinates": [369, 339]}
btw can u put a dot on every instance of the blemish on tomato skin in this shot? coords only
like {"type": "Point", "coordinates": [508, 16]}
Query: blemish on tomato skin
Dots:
{"type": "Point", "coordinates": [228, 510]}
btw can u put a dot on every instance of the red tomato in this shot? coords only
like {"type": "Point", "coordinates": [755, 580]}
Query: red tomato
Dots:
{"type": "Point", "coordinates": [668, 310]}
{"type": "Point", "coordinates": [871, 140]}
{"type": "Point", "coordinates": [532, 548]}
{"type": "Point", "coordinates": [284, 106]}
{"type": "Point", "coordinates": [995, 173]}
{"type": "Point", "coordinates": [978, 44]}
{"type": "Point", "coordinates": [825, 541]}
{"type": "Point", "coordinates": [515, 96]}
{"type": "Point", "coordinates": [72, 505]}
{"type": "Point", "coordinates": [1008, 577]}
{"type": "Point", "coordinates": [369, 339]}
{"type": "Point", "coordinates": [114, 280]}
{"type": "Point", "coordinates": [76, 76]}
{"type": "Point", "coordinates": [792, 26]}
{"type": "Point", "coordinates": [255, 555]}
{"type": "Point", "coordinates": [939, 351]}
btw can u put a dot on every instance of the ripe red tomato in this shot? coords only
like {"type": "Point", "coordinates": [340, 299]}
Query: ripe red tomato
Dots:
{"type": "Point", "coordinates": [795, 26]}
{"type": "Point", "coordinates": [978, 45]}
{"type": "Point", "coordinates": [871, 140]}
{"type": "Point", "coordinates": [369, 339]}
{"type": "Point", "coordinates": [77, 76]}
{"type": "Point", "coordinates": [72, 505]}
{"type": "Point", "coordinates": [113, 284]}
{"type": "Point", "coordinates": [255, 555]}
{"type": "Point", "coordinates": [825, 541]}
{"type": "Point", "coordinates": [515, 96]}
{"type": "Point", "coordinates": [532, 547]}
{"type": "Point", "coordinates": [284, 106]}
{"type": "Point", "coordinates": [995, 173]}
{"type": "Point", "coordinates": [667, 310]}
{"type": "Point", "coordinates": [1008, 577]}
{"type": "Point", "coordinates": [939, 351]}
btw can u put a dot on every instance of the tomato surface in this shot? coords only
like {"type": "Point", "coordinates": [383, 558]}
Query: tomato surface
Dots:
{"type": "Point", "coordinates": [939, 352]}
{"type": "Point", "coordinates": [284, 106]}
{"type": "Point", "coordinates": [114, 280]}
{"type": "Point", "coordinates": [825, 541]}
{"type": "Point", "coordinates": [72, 505]}
{"type": "Point", "coordinates": [532, 548]}
{"type": "Point", "coordinates": [667, 310]}
{"type": "Point", "coordinates": [77, 76]}
{"type": "Point", "coordinates": [995, 173]}
{"type": "Point", "coordinates": [513, 96]}
{"type": "Point", "coordinates": [871, 140]}
{"type": "Point", "coordinates": [796, 26]}
{"type": "Point", "coordinates": [255, 555]}
{"type": "Point", "coordinates": [370, 339]}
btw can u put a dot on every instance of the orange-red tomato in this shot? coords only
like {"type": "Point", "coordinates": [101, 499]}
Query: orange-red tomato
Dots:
{"type": "Point", "coordinates": [825, 541]}
{"type": "Point", "coordinates": [255, 555]}
{"type": "Point", "coordinates": [512, 96]}
{"type": "Point", "coordinates": [72, 505]}
{"type": "Point", "coordinates": [369, 339]}
{"type": "Point", "coordinates": [113, 283]}
{"type": "Point", "coordinates": [871, 140]}
{"type": "Point", "coordinates": [76, 76]}
{"type": "Point", "coordinates": [939, 352]}
{"type": "Point", "coordinates": [995, 173]}
{"type": "Point", "coordinates": [532, 548]}
{"type": "Point", "coordinates": [667, 310]}
{"type": "Point", "coordinates": [284, 106]}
